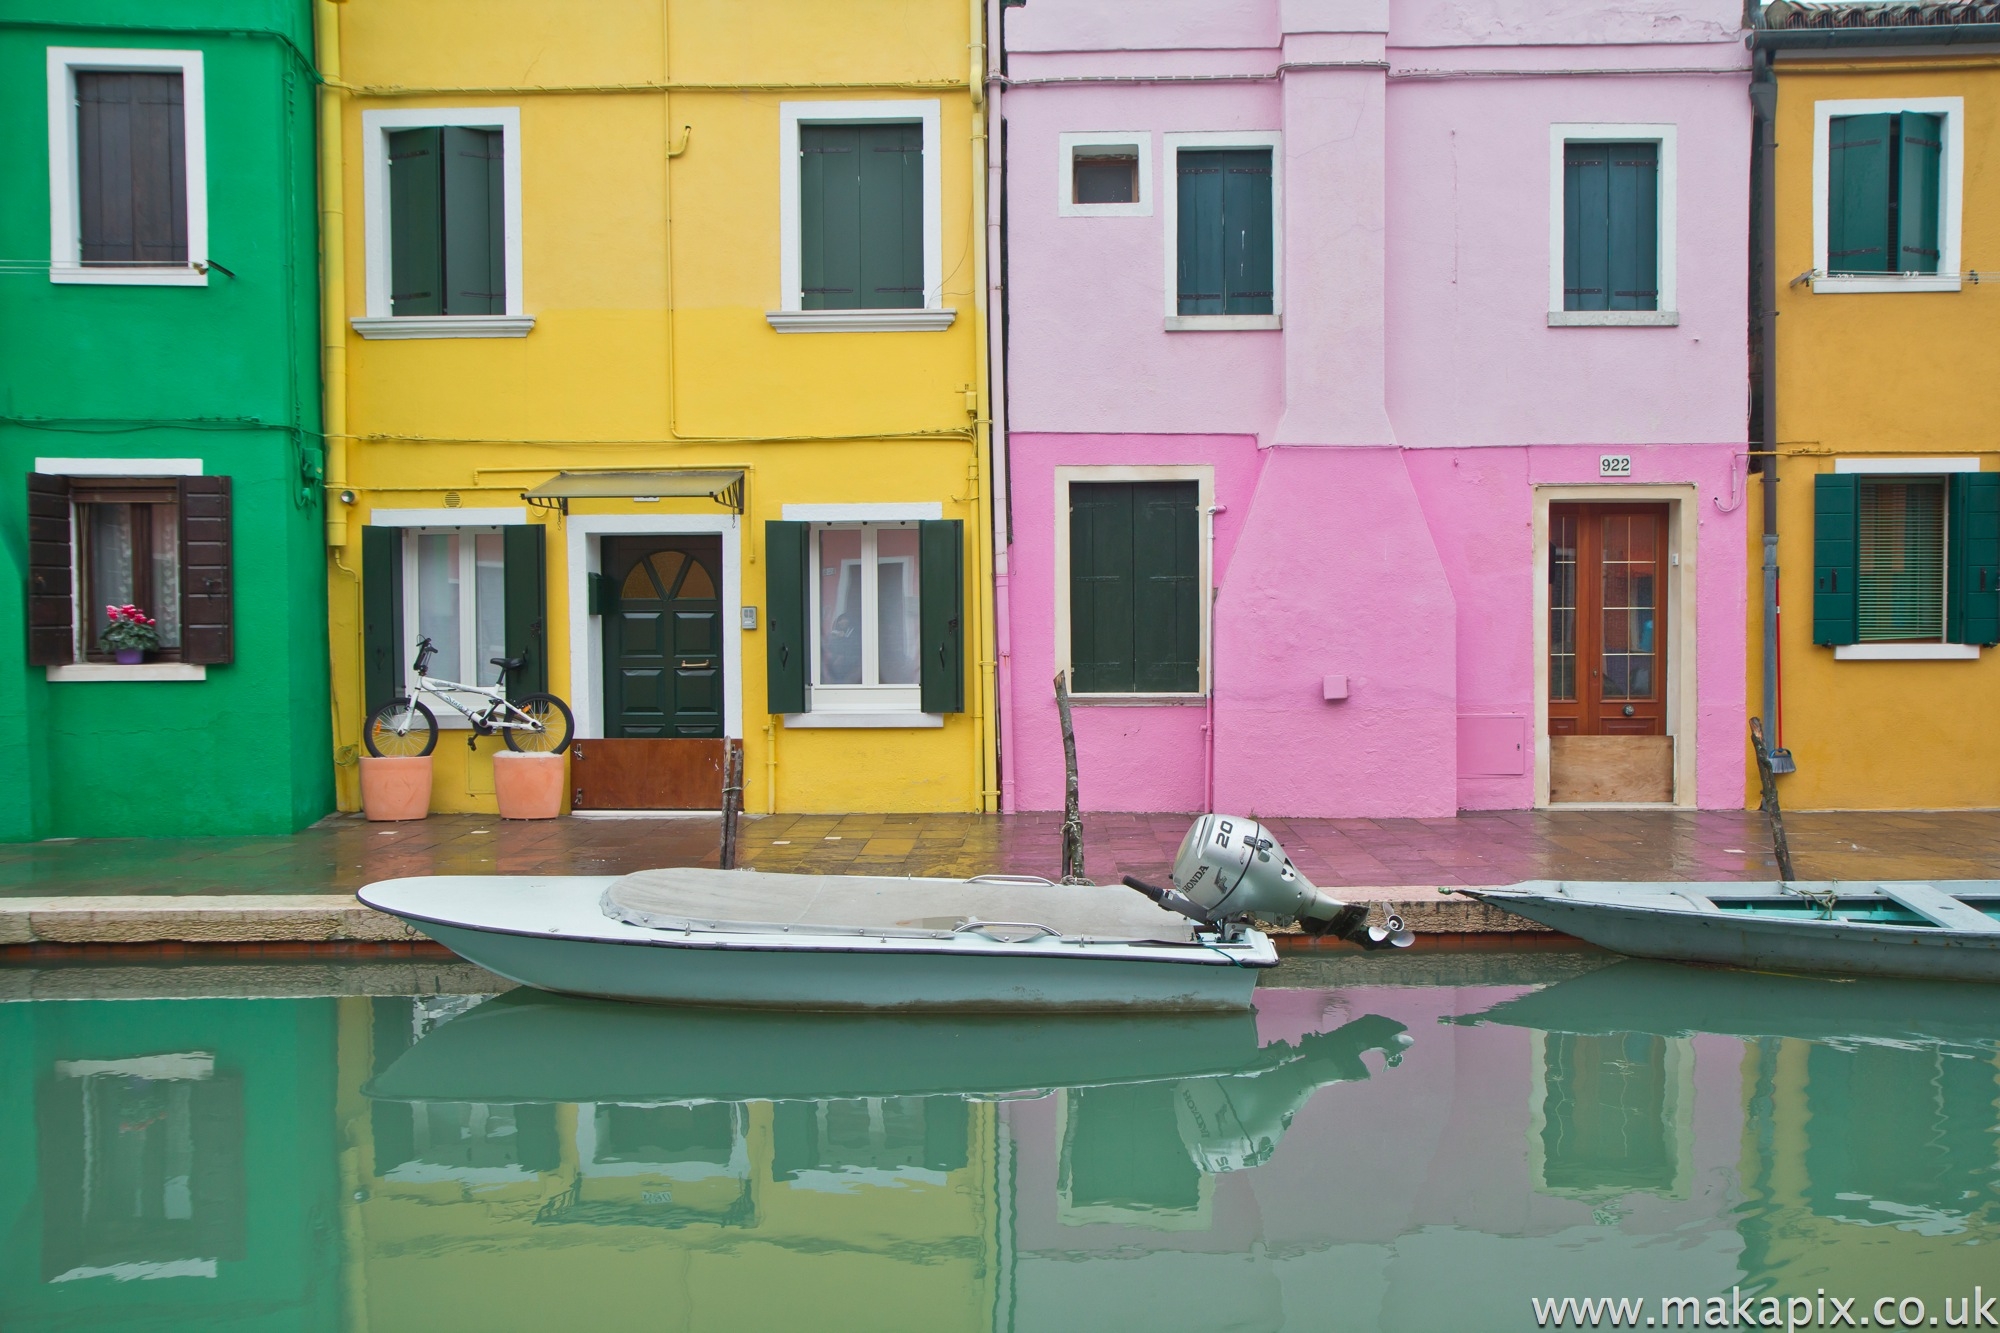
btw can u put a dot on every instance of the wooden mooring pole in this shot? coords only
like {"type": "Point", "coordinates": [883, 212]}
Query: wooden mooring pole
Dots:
{"type": "Point", "coordinates": [1770, 802]}
{"type": "Point", "coordinates": [1072, 827]}
{"type": "Point", "coordinates": [732, 799]}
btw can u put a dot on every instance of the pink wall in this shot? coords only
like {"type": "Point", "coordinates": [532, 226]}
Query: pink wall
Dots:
{"type": "Point", "coordinates": [1375, 459]}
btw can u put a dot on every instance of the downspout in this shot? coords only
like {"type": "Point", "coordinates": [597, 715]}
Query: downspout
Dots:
{"type": "Point", "coordinates": [1764, 105]}
{"type": "Point", "coordinates": [332, 270]}
{"type": "Point", "coordinates": [994, 75]}
{"type": "Point", "coordinates": [985, 765]}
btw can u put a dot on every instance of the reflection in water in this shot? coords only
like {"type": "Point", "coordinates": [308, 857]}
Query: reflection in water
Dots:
{"type": "Point", "coordinates": [1361, 1155]}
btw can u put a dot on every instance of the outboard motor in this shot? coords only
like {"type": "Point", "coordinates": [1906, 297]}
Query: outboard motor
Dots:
{"type": "Point", "coordinates": [1230, 869]}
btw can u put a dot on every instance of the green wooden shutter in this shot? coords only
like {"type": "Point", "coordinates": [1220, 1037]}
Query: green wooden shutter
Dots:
{"type": "Point", "coordinates": [1247, 266]}
{"type": "Point", "coordinates": [829, 218]}
{"type": "Point", "coordinates": [1586, 226]}
{"type": "Point", "coordinates": [1857, 205]}
{"type": "Point", "coordinates": [1200, 233]}
{"type": "Point", "coordinates": [1634, 225]}
{"type": "Point", "coordinates": [475, 246]}
{"type": "Point", "coordinates": [1101, 597]}
{"type": "Point", "coordinates": [1166, 600]}
{"type": "Point", "coordinates": [524, 572]}
{"type": "Point", "coordinates": [1972, 577]}
{"type": "Point", "coordinates": [786, 625]}
{"type": "Point", "coordinates": [941, 614]}
{"type": "Point", "coordinates": [416, 223]}
{"type": "Point", "coordinates": [891, 162]}
{"type": "Point", "coordinates": [1920, 147]}
{"type": "Point", "coordinates": [1836, 543]}
{"type": "Point", "coordinates": [381, 614]}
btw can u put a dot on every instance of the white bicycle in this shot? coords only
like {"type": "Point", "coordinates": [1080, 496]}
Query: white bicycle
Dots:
{"type": "Point", "coordinates": [405, 727]}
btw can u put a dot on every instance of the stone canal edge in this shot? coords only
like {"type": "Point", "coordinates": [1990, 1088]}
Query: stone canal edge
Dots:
{"type": "Point", "coordinates": [222, 919]}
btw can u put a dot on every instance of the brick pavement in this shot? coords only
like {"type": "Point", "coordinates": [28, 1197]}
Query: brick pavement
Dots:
{"type": "Point", "coordinates": [342, 853]}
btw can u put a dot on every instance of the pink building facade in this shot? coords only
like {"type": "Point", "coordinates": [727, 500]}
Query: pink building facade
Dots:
{"type": "Point", "coordinates": [1378, 452]}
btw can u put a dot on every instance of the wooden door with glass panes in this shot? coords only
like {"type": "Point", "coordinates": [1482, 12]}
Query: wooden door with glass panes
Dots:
{"type": "Point", "coordinates": [1608, 652]}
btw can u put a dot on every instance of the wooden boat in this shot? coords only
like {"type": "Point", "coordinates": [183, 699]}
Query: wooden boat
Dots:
{"type": "Point", "coordinates": [764, 940]}
{"type": "Point", "coordinates": [1947, 931]}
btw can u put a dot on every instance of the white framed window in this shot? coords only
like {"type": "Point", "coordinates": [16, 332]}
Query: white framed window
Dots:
{"type": "Point", "coordinates": [1105, 175]}
{"type": "Point", "coordinates": [455, 595]}
{"type": "Point", "coordinates": [1613, 225]}
{"type": "Point", "coordinates": [863, 604]}
{"type": "Point", "coordinates": [1903, 557]}
{"type": "Point", "coordinates": [860, 251]}
{"type": "Point", "coordinates": [1255, 263]}
{"type": "Point", "coordinates": [441, 202]}
{"type": "Point", "coordinates": [1897, 190]}
{"type": "Point", "coordinates": [1132, 622]}
{"type": "Point", "coordinates": [128, 167]}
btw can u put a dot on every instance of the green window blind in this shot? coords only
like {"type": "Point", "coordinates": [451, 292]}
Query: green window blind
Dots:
{"type": "Point", "coordinates": [447, 240]}
{"type": "Point", "coordinates": [1611, 226]}
{"type": "Point", "coordinates": [1225, 232]}
{"type": "Point", "coordinates": [1882, 193]}
{"type": "Point", "coordinates": [1135, 594]}
{"type": "Point", "coordinates": [1972, 565]}
{"type": "Point", "coordinates": [1835, 536]}
{"type": "Point", "coordinates": [381, 614]}
{"type": "Point", "coordinates": [941, 615]}
{"type": "Point", "coordinates": [1901, 559]}
{"type": "Point", "coordinates": [525, 594]}
{"type": "Point", "coordinates": [861, 217]}
{"type": "Point", "coordinates": [785, 619]}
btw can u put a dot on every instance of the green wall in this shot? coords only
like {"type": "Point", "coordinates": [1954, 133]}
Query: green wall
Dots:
{"type": "Point", "coordinates": [227, 373]}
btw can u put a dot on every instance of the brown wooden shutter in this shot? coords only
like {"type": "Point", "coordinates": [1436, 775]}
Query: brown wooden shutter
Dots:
{"type": "Point", "coordinates": [51, 611]}
{"type": "Point", "coordinates": [208, 582]}
{"type": "Point", "coordinates": [131, 168]}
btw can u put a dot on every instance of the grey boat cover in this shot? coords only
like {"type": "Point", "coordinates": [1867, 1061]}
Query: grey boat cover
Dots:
{"type": "Point", "coordinates": [692, 899]}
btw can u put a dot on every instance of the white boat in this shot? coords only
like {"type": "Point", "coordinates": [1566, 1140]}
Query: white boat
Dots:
{"type": "Point", "coordinates": [993, 942]}
{"type": "Point", "coordinates": [1947, 931]}
{"type": "Point", "coordinates": [763, 940]}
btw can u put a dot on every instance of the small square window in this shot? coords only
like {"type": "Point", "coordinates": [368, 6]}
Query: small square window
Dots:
{"type": "Point", "coordinates": [1105, 175]}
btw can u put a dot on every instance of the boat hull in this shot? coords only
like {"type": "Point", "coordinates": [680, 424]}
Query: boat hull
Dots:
{"type": "Point", "coordinates": [548, 933]}
{"type": "Point", "coordinates": [1739, 940]}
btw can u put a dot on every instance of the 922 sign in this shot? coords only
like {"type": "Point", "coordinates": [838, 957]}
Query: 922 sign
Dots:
{"type": "Point", "coordinates": [1614, 465]}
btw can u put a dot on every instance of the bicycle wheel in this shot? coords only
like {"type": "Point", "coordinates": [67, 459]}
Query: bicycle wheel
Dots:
{"type": "Point", "coordinates": [400, 729]}
{"type": "Point", "coordinates": [556, 723]}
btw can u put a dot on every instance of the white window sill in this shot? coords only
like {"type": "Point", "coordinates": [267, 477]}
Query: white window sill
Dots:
{"type": "Point", "coordinates": [799, 721]}
{"type": "Point", "coordinates": [1906, 652]}
{"type": "Point", "coordinates": [1200, 323]}
{"type": "Point", "coordinates": [177, 275]}
{"type": "Point", "coordinates": [443, 326]}
{"type": "Point", "coordinates": [860, 321]}
{"type": "Point", "coordinates": [1598, 319]}
{"type": "Point", "coordinates": [1142, 209]}
{"type": "Point", "coordinates": [1137, 700]}
{"type": "Point", "coordinates": [80, 672]}
{"type": "Point", "coordinates": [1890, 282]}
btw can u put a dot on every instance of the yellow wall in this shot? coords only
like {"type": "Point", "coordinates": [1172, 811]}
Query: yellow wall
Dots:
{"type": "Point", "coordinates": [648, 278]}
{"type": "Point", "coordinates": [1861, 375]}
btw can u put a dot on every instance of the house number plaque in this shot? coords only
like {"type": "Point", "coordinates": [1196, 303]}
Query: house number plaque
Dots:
{"type": "Point", "coordinates": [1614, 465]}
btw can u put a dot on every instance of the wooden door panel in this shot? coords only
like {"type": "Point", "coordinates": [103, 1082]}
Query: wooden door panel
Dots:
{"type": "Point", "coordinates": [645, 773]}
{"type": "Point", "coordinates": [663, 651]}
{"type": "Point", "coordinates": [1611, 768]}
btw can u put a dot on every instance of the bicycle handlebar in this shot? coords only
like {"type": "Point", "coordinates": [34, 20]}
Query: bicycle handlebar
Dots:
{"type": "Point", "coordinates": [425, 651]}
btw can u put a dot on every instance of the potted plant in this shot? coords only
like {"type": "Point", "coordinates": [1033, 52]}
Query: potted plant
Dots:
{"type": "Point", "coordinates": [130, 635]}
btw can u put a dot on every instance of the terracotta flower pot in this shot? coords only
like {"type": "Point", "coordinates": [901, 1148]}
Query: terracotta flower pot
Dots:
{"type": "Point", "coordinates": [529, 786]}
{"type": "Point", "coordinates": [397, 788]}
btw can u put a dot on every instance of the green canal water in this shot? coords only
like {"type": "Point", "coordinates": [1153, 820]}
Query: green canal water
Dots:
{"type": "Point", "coordinates": [1425, 1143]}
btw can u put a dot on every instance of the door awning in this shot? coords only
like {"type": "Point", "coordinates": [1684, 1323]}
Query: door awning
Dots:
{"type": "Point", "coordinates": [723, 487]}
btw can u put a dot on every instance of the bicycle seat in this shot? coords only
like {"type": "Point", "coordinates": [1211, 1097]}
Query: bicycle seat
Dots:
{"type": "Point", "coordinates": [508, 663]}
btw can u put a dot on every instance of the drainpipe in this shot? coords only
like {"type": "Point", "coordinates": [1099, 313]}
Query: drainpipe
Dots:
{"type": "Point", "coordinates": [1764, 105]}
{"type": "Point", "coordinates": [332, 271]}
{"type": "Point", "coordinates": [994, 76]}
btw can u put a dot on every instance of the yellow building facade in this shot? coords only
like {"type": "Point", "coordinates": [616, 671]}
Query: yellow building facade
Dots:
{"type": "Point", "coordinates": [1887, 199]}
{"type": "Point", "coordinates": [656, 360]}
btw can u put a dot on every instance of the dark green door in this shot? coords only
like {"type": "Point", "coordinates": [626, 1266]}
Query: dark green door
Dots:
{"type": "Point", "coordinates": [663, 636]}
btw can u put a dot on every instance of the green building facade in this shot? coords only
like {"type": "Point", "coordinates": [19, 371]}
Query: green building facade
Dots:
{"type": "Point", "coordinates": [159, 419]}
